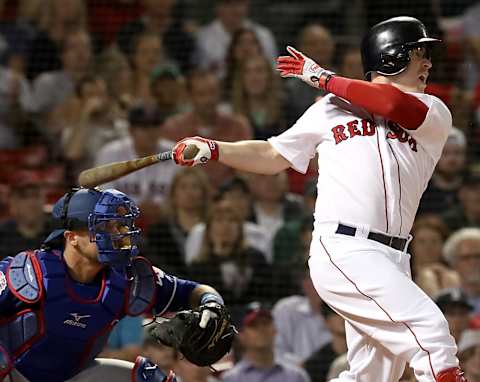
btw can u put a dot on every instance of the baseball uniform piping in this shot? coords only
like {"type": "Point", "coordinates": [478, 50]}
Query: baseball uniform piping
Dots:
{"type": "Point", "coordinates": [399, 188]}
{"type": "Point", "coordinates": [381, 308]}
{"type": "Point", "coordinates": [383, 179]}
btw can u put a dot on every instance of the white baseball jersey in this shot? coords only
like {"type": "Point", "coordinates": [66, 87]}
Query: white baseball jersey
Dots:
{"type": "Point", "coordinates": [372, 172]}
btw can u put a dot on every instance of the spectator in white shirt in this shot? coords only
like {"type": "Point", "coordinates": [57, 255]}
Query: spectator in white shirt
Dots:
{"type": "Point", "coordinates": [214, 39]}
{"type": "Point", "coordinates": [301, 328]}
{"type": "Point", "coordinates": [150, 186]}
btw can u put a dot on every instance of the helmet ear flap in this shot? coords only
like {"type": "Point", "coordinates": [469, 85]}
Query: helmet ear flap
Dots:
{"type": "Point", "coordinates": [394, 63]}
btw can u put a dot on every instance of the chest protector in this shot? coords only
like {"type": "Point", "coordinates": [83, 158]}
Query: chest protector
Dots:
{"type": "Point", "coordinates": [58, 332]}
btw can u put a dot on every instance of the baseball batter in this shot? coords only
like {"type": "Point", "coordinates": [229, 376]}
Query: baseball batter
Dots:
{"type": "Point", "coordinates": [58, 304]}
{"type": "Point", "coordinates": [378, 142]}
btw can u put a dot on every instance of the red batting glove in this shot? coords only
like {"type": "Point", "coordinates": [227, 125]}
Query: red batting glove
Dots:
{"type": "Point", "coordinates": [195, 150]}
{"type": "Point", "coordinates": [300, 66]}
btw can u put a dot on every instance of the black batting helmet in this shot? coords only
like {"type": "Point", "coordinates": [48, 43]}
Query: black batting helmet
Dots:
{"type": "Point", "coordinates": [386, 47]}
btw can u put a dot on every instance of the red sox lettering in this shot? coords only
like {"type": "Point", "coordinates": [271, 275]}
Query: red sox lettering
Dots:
{"type": "Point", "coordinates": [366, 127]}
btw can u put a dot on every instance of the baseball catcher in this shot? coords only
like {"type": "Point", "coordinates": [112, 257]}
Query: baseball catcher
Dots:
{"type": "Point", "coordinates": [203, 335]}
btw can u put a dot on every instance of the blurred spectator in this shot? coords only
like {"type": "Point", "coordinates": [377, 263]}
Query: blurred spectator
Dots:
{"type": "Point", "coordinates": [244, 45]}
{"type": "Point", "coordinates": [167, 86]}
{"type": "Point", "coordinates": [239, 272]}
{"type": "Point", "coordinates": [15, 100]}
{"type": "Point", "coordinates": [442, 190]}
{"type": "Point", "coordinates": [339, 365]}
{"type": "Point", "coordinates": [467, 212]}
{"type": "Point", "coordinates": [318, 364]}
{"type": "Point", "coordinates": [207, 120]}
{"type": "Point", "coordinates": [462, 251]}
{"type": "Point", "coordinates": [114, 68]}
{"type": "Point", "coordinates": [148, 187]}
{"type": "Point", "coordinates": [28, 225]}
{"type": "Point", "coordinates": [257, 335]}
{"type": "Point", "coordinates": [273, 206]}
{"type": "Point", "coordinates": [159, 18]}
{"type": "Point", "coordinates": [116, 12]}
{"type": "Point", "coordinates": [188, 205]}
{"type": "Point", "coordinates": [50, 89]}
{"type": "Point", "coordinates": [163, 356]}
{"type": "Point", "coordinates": [17, 35]}
{"type": "Point", "coordinates": [214, 38]}
{"type": "Point", "coordinates": [291, 243]}
{"type": "Point", "coordinates": [469, 354]}
{"type": "Point", "coordinates": [125, 340]}
{"type": "Point", "coordinates": [429, 270]}
{"type": "Point", "coordinates": [59, 18]}
{"type": "Point", "coordinates": [91, 120]}
{"type": "Point", "coordinates": [350, 62]}
{"type": "Point", "coordinates": [186, 371]}
{"type": "Point", "coordinates": [453, 303]}
{"type": "Point", "coordinates": [145, 56]}
{"type": "Point", "coordinates": [471, 31]}
{"type": "Point", "coordinates": [236, 192]}
{"type": "Point", "coordinates": [301, 328]}
{"type": "Point", "coordinates": [257, 94]}
{"type": "Point", "coordinates": [316, 42]}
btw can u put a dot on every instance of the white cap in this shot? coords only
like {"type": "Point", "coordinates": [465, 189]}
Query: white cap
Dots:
{"type": "Point", "coordinates": [457, 137]}
{"type": "Point", "coordinates": [470, 338]}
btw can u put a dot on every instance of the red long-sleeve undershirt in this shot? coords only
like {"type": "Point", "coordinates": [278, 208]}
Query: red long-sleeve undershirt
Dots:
{"type": "Point", "coordinates": [381, 99]}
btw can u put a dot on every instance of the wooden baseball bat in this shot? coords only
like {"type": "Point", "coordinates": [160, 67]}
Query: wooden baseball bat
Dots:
{"type": "Point", "coordinates": [106, 173]}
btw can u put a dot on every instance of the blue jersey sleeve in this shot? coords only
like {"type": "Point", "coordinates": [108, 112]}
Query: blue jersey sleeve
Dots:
{"type": "Point", "coordinates": [9, 304]}
{"type": "Point", "coordinates": [173, 294]}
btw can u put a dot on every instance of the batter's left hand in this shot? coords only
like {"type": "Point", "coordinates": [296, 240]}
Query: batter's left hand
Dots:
{"type": "Point", "coordinates": [300, 66]}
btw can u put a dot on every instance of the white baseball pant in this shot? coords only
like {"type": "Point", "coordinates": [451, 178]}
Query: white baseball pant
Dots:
{"type": "Point", "coordinates": [389, 320]}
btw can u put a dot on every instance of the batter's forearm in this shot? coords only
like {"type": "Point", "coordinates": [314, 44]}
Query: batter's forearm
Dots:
{"type": "Point", "coordinates": [252, 156]}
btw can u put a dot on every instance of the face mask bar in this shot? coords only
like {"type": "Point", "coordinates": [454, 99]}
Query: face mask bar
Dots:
{"type": "Point", "coordinates": [112, 227]}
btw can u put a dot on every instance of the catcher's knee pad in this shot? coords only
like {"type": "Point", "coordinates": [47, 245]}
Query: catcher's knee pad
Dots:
{"type": "Point", "coordinates": [147, 371]}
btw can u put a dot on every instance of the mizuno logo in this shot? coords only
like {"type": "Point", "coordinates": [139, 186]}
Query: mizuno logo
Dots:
{"type": "Point", "coordinates": [77, 320]}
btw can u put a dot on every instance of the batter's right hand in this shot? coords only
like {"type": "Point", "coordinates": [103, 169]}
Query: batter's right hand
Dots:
{"type": "Point", "coordinates": [195, 150]}
{"type": "Point", "coordinates": [300, 66]}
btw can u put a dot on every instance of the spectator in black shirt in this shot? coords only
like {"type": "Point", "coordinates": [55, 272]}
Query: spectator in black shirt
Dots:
{"type": "Point", "coordinates": [442, 190]}
{"type": "Point", "coordinates": [319, 363]}
{"type": "Point", "coordinates": [28, 225]}
{"type": "Point", "coordinates": [160, 18]}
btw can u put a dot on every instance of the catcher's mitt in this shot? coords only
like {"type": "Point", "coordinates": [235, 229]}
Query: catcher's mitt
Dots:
{"type": "Point", "coordinates": [201, 346]}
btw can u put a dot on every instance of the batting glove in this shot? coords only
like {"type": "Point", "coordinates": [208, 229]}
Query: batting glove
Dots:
{"type": "Point", "coordinates": [300, 66]}
{"type": "Point", "coordinates": [195, 150]}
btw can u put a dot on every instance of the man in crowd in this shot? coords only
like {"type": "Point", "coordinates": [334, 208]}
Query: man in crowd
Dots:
{"type": "Point", "coordinates": [462, 251]}
{"type": "Point", "coordinates": [257, 336]}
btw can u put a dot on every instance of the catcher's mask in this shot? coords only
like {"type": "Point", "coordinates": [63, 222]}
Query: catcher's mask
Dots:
{"type": "Point", "coordinates": [108, 215]}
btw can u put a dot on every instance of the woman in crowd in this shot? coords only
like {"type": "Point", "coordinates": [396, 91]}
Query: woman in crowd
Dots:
{"type": "Point", "coordinates": [244, 45]}
{"type": "Point", "coordinates": [189, 199]}
{"type": "Point", "coordinates": [147, 53]}
{"type": "Point", "coordinates": [256, 93]}
{"type": "Point", "coordinates": [429, 269]}
{"type": "Point", "coordinates": [59, 17]}
{"type": "Point", "coordinates": [238, 271]}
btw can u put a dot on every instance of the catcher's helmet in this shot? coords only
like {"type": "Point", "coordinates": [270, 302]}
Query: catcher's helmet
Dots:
{"type": "Point", "coordinates": [95, 210]}
{"type": "Point", "coordinates": [386, 47]}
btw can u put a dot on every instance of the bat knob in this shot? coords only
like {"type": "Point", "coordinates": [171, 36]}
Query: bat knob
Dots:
{"type": "Point", "coordinates": [190, 152]}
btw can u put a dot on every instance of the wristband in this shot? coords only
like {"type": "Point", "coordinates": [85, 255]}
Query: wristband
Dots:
{"type": "Point", "coordinates": [211, 297]}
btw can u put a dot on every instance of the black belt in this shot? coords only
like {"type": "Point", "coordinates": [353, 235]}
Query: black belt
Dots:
{"type": "Point", "coordinates": [391, 241]}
